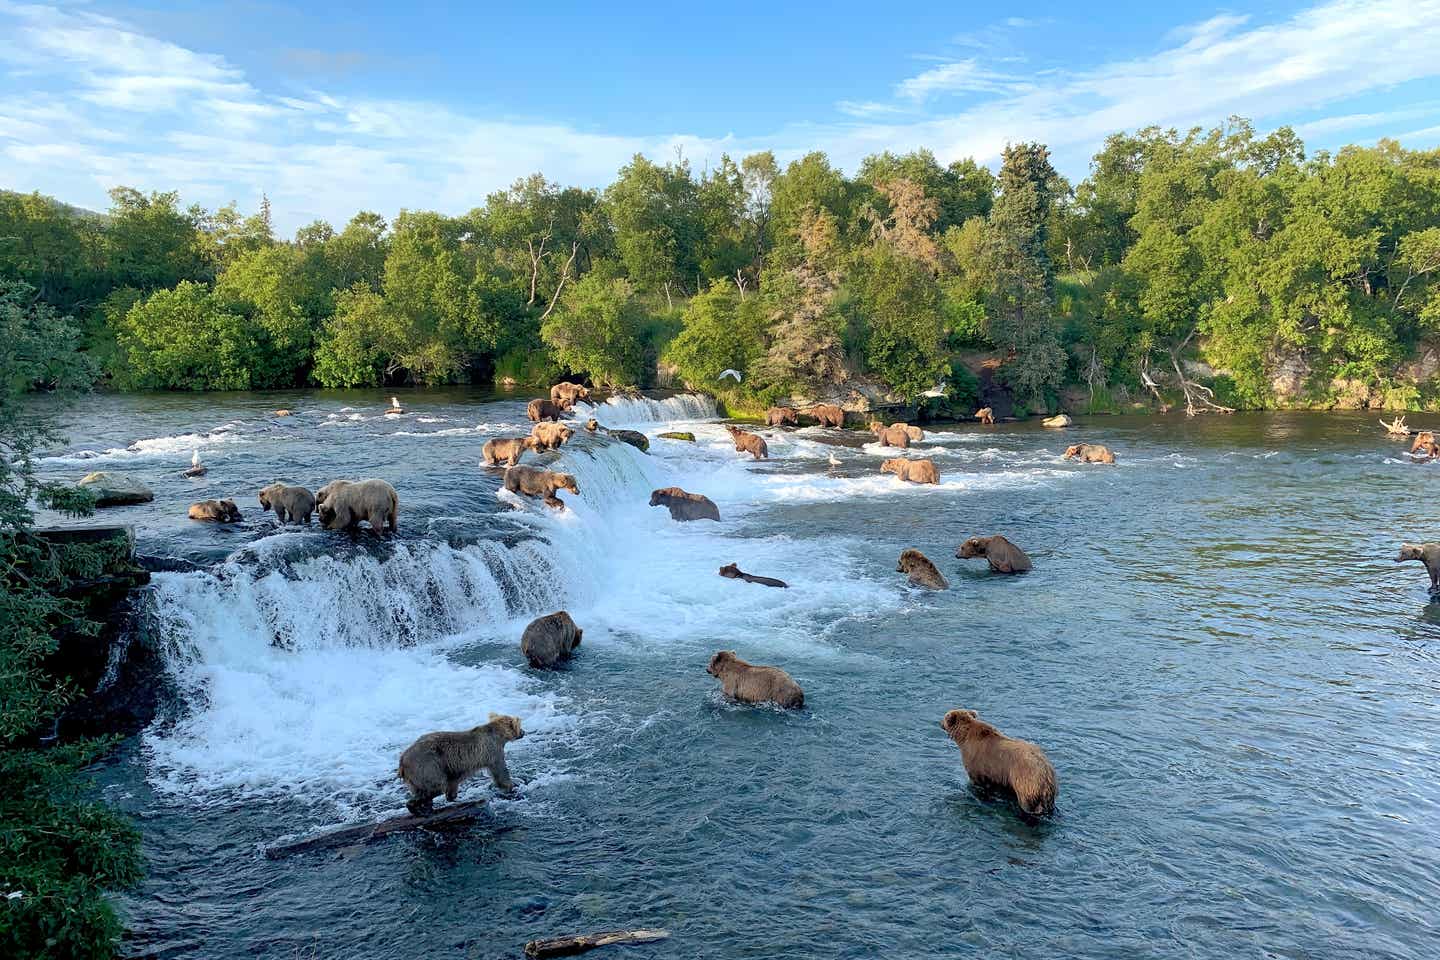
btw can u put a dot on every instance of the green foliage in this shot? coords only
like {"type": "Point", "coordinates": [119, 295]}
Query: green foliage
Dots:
{"type": "Point", "coordinates": [597, 331]}
{"type": "Point", "coordinates": [185, 339]}
{"type": "Point", "coordinates": [898, 303]}
{"type": "Point", "coordinates": [720, 331]}
{"type": "Point", "coordinates": [58, 852]}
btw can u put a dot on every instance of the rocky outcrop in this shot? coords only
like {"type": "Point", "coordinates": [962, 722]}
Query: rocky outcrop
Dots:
{"type": "Point", "coordinates": [115, 489]}
{"type": "Point", "coordinates": [677, 435]}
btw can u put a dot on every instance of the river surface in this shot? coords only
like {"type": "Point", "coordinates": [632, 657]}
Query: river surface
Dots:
{"type": "Point", "coordinates": [1236, 684]}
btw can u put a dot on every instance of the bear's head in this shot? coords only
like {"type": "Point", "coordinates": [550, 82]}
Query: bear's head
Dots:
{"type": "Point", "coordinates": [733, 430]}
{"type": "Point", "coordinates": [566, 481]}
{"type": "Point", "coordinates": [730, 570]}
{"type": "Point", "coordinates": [230, 510]}
{"type": "Point", "coordinates": [507, 726]}
{"type": "Point", "coordinates": [957, 723]}
{"type": "Point", "coordinates": [592, 424]}
{"type": "Point", "coordinates": [974, 547]}
{"type": "Point", "coordinates": [265, 493]}
{"type": "Point", "coordinates": [912, 559]}
{"type": "Point", "coordinates": [663, 496]}
{"type": "Point", "coordinates": [1073, 450]}
{"type": "Point", "coordinates": [892, 465]}
{"type": "Point", "coordinates": [719, 662]}
{"type": "Point", "coordinates": [1410, 551]}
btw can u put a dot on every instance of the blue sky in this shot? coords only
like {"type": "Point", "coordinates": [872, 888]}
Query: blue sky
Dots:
{"type": "Point", "coordinates": [329, 108]}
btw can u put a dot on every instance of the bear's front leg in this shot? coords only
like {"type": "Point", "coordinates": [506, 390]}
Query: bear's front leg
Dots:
{"type": "Point", "coordinates": [501, 775]}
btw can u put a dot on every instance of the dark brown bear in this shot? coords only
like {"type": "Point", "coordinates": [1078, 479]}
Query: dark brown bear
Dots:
{"type": "Point", "coordinates": [550, 639]}
{"type": "Point", "coordinates": [999, 762]}
{"type": "Point", "coordinates": [540, 409]}
{"type": "Point", "coordinates": [781, 416]}
{"type": "Point", "coordinates": [921, 571]}
{"type": "Point", "coordinates": [1003, 555]}
{"type": "Point", "coordinates": [685, 506]}
{"type": "Point", "coordinates": [752, 683]}
{"type": "Point", "coordinates": [750, 443]}
{"type": "Point", "coordinates": [733, 572]}
{"type": "Point", "coordinates": [534, 482]}
{"type": "Point", "coordinates": [827, 415]}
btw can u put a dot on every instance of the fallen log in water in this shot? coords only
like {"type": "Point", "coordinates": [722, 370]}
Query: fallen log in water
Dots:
{"type": "Point", "coordinates": [449, 815]}
{"type": "Point", "coordinates": [566, 946]}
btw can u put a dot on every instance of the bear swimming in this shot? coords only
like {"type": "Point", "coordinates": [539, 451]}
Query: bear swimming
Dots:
{"type": "Point", "coordinates": [912, 471]}
{"type": "Point", "coordinates": [439, 762]}
{"type": "Point", "coordinates": [685, 506]}
{"type": "Point", "coordinates": [343, 504]}
{"type": "Point", "coordinates": [1003, 555]}
{"type": "Point", "coordinates": [994, 760]}
{"type": "Point", "coordinates": [507, 450]}
{"type": "Point", "coordinates": [550, 639]}
{"type": "Point", "coordinates": [733, 572]}
{"type": "Point", "coordinates": [291, 504]}
{"type": "Point", "coordinates": [752, 683]}
{"type": "Point", "coordinates": [921, 571]}
{"type": "Point", "coordinates": [215, 511]}
{"type": "Point", "coordinates": [1425, 445]}
{"type": "Point", "coordinates": [534, 482]}
{"type": "Point", "coordinates": [1089, 453]}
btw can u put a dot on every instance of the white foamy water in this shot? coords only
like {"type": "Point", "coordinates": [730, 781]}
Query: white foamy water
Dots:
{"type": "Point", "coordinates": [628, 411]}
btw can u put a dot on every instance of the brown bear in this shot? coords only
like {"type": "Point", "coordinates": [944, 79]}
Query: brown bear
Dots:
{"type": "Point", "coordinates": [550, 436]}
{"type": "Point", "coordinates": [781, 416]}
{"type": "Point", "coordinates": [996, 761]}
{"type": "Point", "coordinates": [534, 482]}
{"type": "Point", "coordinates": [343, 504]}
{"type": "Point", "coordinates": [565, 395]}
{"type": "Point", "coordinates": [291, 504]}
{"type": "Point", "coordinates": [921, 571]}
{"type": "Point", "coordinates": [508, 450]}
{"type": "Point", "coordinates": [827, 414]}
{"type": "Point", "coordinates": [1089, 453]}
{"type": "Point", "coordinates": [1003, 555]}
{"type": "Point", "coordinates": [752, 683]}
{"type": "Point", "coordinates": [592, 424]}
{"type": "Point", "coordinates": [914, 432]}
{"type": "Point", "coordinates": [912, 471]}
{"type": "Point", "coordinates": [684, 505]}
{"type": "Point", "coordinates": [215, 511]}
{"type": "Point", "coordinates": [1425, 445]}
{"type": "Point", "coordinates": [750, 443]}
{"type": "Point", "coordinates": [985, 415]}
{"type": "Point", "coordinates": [1426, 553]}
{"type": "Point", "coordinates": [439, 762]}
{"type": "Point", "coordinates": [891, 436]}
{"type": "Point", "coordinates": [635, 438]}
{"type": "Point", "coordinates": [550, 639]}
{"type": "Point", "coordinates": [540, 409]}
{"type": "Point", "coordinates": [733, 572]}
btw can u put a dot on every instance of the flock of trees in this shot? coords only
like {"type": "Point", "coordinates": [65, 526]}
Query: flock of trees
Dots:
{"type": "Point", "coordinates": [1215, 267]}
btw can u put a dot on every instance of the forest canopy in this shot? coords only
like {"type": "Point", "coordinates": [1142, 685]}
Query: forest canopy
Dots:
{"type": "Point", "coordinates": [1208, 267]}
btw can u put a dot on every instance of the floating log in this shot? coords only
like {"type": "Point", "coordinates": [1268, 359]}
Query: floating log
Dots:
{"type": "Point", "coordinates": [448, 815]}
{"type": "Point", "coordinates": [567, 946]}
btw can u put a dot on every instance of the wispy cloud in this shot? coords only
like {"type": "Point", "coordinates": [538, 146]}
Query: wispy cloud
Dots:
{"type": "Point", "coordinates": [88, 102]}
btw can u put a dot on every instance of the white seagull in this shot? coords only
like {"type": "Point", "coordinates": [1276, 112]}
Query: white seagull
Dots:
{"type": "Point", "coordinates": [936, 391]}
{"type": "Point", "coordinates": [729, 373]}
{"type": "Point", "coordinates": [834, 460]}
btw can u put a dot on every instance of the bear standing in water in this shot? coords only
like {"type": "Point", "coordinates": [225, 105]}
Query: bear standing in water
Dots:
{"type": "Point", "coordinates": [995, 760]}
{"type": "Point", "coordinates": [439, 762]}
{"type": "Point", "coordinates": [1426, 553]}
{"type": "Point", "coordinates": [752, 683]}
{"type": "Point", "coordinates": [550, 639]}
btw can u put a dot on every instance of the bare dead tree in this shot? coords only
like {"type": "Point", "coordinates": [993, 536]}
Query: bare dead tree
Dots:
{"type": "Point", "coordinates": [564, 275]}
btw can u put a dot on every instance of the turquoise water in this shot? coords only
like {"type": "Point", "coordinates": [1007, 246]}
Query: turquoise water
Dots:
{"type": "Point", "coordinates": [1235, 683]}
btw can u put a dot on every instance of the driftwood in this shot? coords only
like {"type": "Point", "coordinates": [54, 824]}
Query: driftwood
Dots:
{"type": "Point", "coordinates": [448, 815]}
{"type": "Point", "coordinates": [566, 946]}
{"type": "Point", "coordinates": [1397, 428]}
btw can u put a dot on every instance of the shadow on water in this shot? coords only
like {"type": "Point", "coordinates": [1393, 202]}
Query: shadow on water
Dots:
{"type": "Point", "coordinates": [1234, 681]}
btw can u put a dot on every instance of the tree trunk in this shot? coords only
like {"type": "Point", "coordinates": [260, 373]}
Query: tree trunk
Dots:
{"type": "Point", "coordinates": [449, 815]}
{"type": "Point", "coordinates": [567, 946]}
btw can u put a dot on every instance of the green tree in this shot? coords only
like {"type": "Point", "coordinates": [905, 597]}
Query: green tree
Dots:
{"type": "Point", "coordinates": [656, 214]}
{"type": "Point", "coordinates": [353, 348]}
{"type": "Point", "coordinates": [597, 330]}
{"type": "Point", "coordinates": [151, 243]}
{"type": "Point", "coordinates": [185, 339]}
{"type": "Point", "coordinates": [721, 331]}
{"type": "Point", "coordinates": [898, 302]}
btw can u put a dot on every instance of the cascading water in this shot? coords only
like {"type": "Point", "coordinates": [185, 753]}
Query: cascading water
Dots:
{"type": "Point", "coordinates": [629, 411]}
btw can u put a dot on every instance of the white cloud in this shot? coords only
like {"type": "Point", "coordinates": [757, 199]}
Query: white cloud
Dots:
{"type": "Point", "coordinates": [87, 102]}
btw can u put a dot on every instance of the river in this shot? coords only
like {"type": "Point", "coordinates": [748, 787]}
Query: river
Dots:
{"type": "Point", "coordinates": [1236, 684]}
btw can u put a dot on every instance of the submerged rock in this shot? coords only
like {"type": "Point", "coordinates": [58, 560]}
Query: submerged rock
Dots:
{"type": "Point", "coordinates": [1059, 420]}
{"type": "Point", "coordinates": [633, 437]}
{"type": "Point", "coordinates": [115, 489]}
{"type": "Point", "coordinates": [678, 435]}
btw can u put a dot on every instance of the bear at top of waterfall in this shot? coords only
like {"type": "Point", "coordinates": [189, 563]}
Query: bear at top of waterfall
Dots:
{"type": "Point", "coordinates": [1089, 453]}
{"type": "Point", "coordinates": [751, 443]}
{"type": "Point", "coordinates": [1426, 553]}
{"type": "Point", "coordinates": [999, 762]}
{"type": "Point", "coordinates": [215, 511]}
{"type": "Point", "coordinates": [535, 482]}
{"type": "Point", "coordinates": [291, 504]}
{"type": "Point", "coordinates": [550, 436]}
{"type": "Point", "coordinates": [827, 414]}
{"type": "Point", "coordinates": [567, 394]}
{"type": "Point", "coordinates": [920, 570]}
{"type": "Point", "coordinates": [912, 471]}
{"type": "Point", "coordinates": [508, 450]}
{"type": "Point", "coordinates": [755, 683]}
{"type": "Point", "coordinates": [439, 762]}
{"type": "Point", "coordinates": [542, 409]}
{"type": "Point", "coordinates": [985, 415]}
{"type": "Point", "coordinates": [343, 504]}
{"type": "Point", "coordinates": [550, 639]}
{"type": "Point", "coordinates": [1003, 555]}
{"type": "Point", "coordinates": [684, 505]}
{"type": "Point", "coordinates": [782, 416]}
